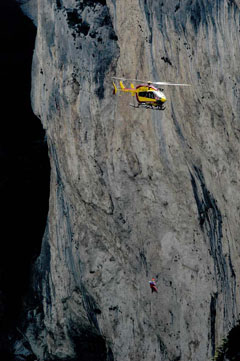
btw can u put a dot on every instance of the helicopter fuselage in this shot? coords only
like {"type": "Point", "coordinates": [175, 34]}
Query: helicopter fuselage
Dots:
{"type": "Point", "coordinates": [149, 94]}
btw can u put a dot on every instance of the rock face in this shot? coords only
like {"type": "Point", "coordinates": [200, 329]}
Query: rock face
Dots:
{"type": "Point", "coordinates": [137, 194]}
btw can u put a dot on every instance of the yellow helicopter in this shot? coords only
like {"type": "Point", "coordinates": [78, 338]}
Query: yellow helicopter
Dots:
{"type": "Point", "coordinates": [148, 96]}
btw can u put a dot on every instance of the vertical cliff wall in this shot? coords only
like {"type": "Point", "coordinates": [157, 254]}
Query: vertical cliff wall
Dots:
{"type": "Point", "coordinates": [137, 193]}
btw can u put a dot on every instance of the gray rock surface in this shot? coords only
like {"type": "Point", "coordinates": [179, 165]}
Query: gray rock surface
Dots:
{"type": "Point", "coordinates": [137, 194]}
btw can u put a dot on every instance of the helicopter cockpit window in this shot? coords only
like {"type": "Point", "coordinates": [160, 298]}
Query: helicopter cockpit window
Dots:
{"type": "Point", "coordinates": [146, 95]}
{"type": "Point", "coordinates": [157, 95]}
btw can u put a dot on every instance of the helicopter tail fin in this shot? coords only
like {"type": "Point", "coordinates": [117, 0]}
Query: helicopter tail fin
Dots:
{"type": "Point", "coordinates": [114, 88]}
{"type": "Point", "coordinates": [121, 85]}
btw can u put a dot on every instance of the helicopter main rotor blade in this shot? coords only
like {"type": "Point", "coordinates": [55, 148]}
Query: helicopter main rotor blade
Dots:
{"type": "Point", "coordinates": [152, 82]}
{"type": "Point", "coordinates": [141, 81]}
{"type": "Point", "coordinates": [166, 83]}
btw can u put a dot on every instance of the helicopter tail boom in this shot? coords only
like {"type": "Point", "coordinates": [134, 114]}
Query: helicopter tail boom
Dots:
{"type": "Point", "coordinates": [131, 90]}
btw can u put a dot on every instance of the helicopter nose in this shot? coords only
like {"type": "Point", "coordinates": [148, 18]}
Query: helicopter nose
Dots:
{"type": "Point", "coordinates": [163, 99]}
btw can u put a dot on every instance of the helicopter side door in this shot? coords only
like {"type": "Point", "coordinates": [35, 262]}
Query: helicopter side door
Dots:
{"type": "Point", "coordinates": [146, 97]}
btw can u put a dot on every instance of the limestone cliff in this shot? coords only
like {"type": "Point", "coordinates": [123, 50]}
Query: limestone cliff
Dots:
{"type": "Point", "coordinates": [136, 193]}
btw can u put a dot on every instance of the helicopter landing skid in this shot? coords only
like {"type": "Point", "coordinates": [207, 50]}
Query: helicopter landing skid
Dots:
{"type": "Point", "coordinates": [147, 106]}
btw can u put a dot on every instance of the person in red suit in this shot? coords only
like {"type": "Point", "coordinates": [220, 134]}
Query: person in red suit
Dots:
{"type": "Point", "coordinates": [153, 285]}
